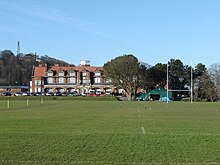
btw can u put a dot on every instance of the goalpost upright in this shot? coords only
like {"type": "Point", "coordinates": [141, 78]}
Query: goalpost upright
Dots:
{"type": "Point", "coordinates": [172, 90]}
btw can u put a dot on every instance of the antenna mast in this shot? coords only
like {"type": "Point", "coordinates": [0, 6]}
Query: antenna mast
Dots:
{"type": "Point", "coordinates": [18, 48]}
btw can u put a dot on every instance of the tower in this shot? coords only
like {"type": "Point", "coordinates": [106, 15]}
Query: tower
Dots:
{"type": "Point", "coordinates": [18, 48]}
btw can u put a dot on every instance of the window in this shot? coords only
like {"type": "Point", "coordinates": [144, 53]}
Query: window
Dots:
{"type": "Point", "coordinates": [49, 73]}
{"type": "Point", "coordinates": [61, 73]}
{"type": "Point", "coordinates": [84, 74]}
{"type": "Point", "coordinates": [37, 82]}
{"type": "Point", "coordinates": [72, 74]}
{"type": "Point", "coordinates": [97, 80]}
{"type": "Point", "coordinates": [108, 81]}
{"type": "Point", "coordinates": [61, 80]}
{"type": "Point", "coordinates": [72, 80]}
{"type": "Point", "coordinates": [97, 74]}
{"type": "Point", "coordinates": [50, 80]}
{"type": "Point", "coordinates": [37, 89]}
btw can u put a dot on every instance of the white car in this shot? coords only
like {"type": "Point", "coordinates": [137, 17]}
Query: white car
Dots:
{"type": "Point", "coordinates": [18, 94]}
{"type": "Point", "coordinates": [83, 94]}
{"type": "Point", "coordinates": [25, 94]}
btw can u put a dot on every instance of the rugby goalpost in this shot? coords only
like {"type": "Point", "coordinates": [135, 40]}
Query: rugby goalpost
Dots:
{"type": "Point", "coordinates": [173, 90]}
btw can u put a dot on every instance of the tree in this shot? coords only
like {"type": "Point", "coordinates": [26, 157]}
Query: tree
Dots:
{"type": "Point", "coordinates": [124, 72]}
{"type": "Point", "coordinates": [158, 74]}
{"type": "Point", "coordinates": [214, 72]}
{"type": "Point", "coordinates": [17, 70]}
{"type": "Point", "coordinates": [205, 88]}
{"type": "Point", "coordinates": [199, 73]}
{"type": "Point", "coordinates": [145, 78]}
{"type": "Point", "coordinates": [200, 69]}
{"type": "Point", "coordinates": [178, 77]}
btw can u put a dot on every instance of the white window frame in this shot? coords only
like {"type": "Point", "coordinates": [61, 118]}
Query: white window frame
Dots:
{"type": "Point", "coordinates": [72, 80]}
{"type": "Point", "coordinates": [37, 82]}
{"type": "Point", "coordinates": [97, 74]}
{"type": "Point", "coordinates": [71, 74]}
{"type": "Point", "coordinates": [49, 73]}
{"type": "Point", "coordinates": [61, 74]}
{"type": "Point", "coordinates": [61, 80]}
{"type": "Point", "coordinates": [84, 74]}
{"type": "Point", "coordinates": [97, 80]}
{"type": "Point", "coordinates": [49, 80]}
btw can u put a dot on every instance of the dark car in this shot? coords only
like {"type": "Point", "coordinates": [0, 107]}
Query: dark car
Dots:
{"type": "Point", "coordinates": [6, 94]}
{"type": "Point", "coordinates": [58, 94]}
{"type": "Point", "coordinates": [64, 94]}
{"type": "Point", "coordinates": [72, 94]}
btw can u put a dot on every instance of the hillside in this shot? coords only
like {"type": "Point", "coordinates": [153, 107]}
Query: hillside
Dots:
{"type": "Point", "coordinates": [17, 69]}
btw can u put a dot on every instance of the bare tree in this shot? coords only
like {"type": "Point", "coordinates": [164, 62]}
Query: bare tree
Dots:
{"type": "Point", "coordinates": [214, 72]}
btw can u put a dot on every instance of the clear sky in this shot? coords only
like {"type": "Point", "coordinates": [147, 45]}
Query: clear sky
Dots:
{"type": "Point", "coordinates": [100, 30]}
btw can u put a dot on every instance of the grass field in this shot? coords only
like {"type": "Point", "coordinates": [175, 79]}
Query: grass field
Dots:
{"type": "Point", "coordinates": [108, 132]}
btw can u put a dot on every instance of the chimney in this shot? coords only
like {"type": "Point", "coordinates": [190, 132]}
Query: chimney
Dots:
{"type": "Point", "coordinates": [84, 63]}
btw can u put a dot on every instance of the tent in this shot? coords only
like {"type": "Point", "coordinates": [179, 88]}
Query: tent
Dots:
{"type": "Point", "coordinates": [158, 93]}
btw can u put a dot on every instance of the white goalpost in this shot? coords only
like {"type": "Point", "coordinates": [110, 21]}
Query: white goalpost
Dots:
{"type": "Point", "coordinates": [173, 90]}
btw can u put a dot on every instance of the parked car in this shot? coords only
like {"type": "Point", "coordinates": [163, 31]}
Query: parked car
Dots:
{"type": "Point", "coordinates": [6, 94]}
{"type": "Point", "coordinates": [37, 94]}
{"type": "Point", "coordinates": [58, 94]}
{"type": "Point", "coordinates": [49, 94]}
{"type": "Point", "coordinates": [72, 94]}
{"type": "Point", "coordinates": [32, 94]}
{"type": "Point", "coordinates": [83, 94]}
{"type": "Point", "coordinates": [64, 93]}
{"type": "Point", "coordinates": [43, 94]}
{"type": "Point", "coordinates": [18, 94]}
{"type": "Point", "coordinates": [108, 92]}
{"type": "Point", "coordinates": [93, 94]}
{"type": "Point", "coordinates": [26, 94]}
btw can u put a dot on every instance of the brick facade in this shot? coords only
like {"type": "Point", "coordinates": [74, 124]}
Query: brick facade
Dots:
{"type": "Point", "coordinates": [81, 79]}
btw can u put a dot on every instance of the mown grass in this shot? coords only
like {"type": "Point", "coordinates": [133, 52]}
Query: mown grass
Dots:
{"type": "Point", "coordinates": [109, 132]}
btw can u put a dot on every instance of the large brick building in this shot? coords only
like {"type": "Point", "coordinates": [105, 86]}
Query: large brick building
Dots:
{"type": "Point", "coordinates": [83, 79]}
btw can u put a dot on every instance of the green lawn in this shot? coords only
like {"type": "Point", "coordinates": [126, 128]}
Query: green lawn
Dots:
{"type": "Point", "coordinates": [108, 132]}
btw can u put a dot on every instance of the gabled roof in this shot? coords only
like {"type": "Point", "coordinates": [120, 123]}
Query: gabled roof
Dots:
{"type": "Point", "coordinates": [60, 70]}
{"type": "Point", "coordinates": [77, 68]}
{"type": "Point", "coordinates": [72, 70]}
{"type": "Point", "coordinates": [40, 71]}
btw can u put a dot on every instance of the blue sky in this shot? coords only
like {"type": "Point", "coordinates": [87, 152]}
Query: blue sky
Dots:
{"type": "Point", "coordinates": [100, 30]}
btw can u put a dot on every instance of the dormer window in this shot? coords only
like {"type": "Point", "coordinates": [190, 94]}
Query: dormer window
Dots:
{"type": "Point", "coordinates": [50, 73]}
{"type": "Point", "coordinates": [72, 73]}
{"type": "Point", "coordinates": [84, 74]}
{"type": "Point", "coordinates": [97, 74]}
{"type": "Point", "coordinates": [61, 73]}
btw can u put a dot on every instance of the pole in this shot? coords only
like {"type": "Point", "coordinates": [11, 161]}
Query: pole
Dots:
{"type": "Point", "coordinates": [41, 101]}
{"type": "Point", "coordinates": [191, 84]}
{"type": "Point", "coordinates": [8, 104]}
{"type": "Point", "coordinates": [167, 81]}
{"type": "Point", "coordinates": [27, 102]}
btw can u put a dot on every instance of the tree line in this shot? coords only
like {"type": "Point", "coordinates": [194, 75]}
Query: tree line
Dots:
{"type": "Point", "coordinates": [129, 74]}
{"type": "Point", "coordinates": [125, 72]}
{"type": "Point", "coordinates": [17, 69]}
